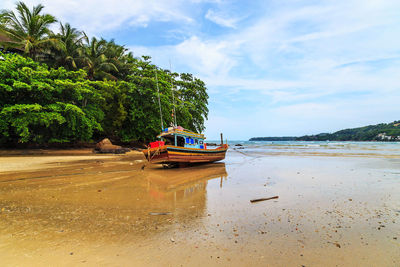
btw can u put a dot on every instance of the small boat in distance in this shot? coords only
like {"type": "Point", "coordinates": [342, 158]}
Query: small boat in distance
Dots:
{"type": "Point", "coordinates": [180, 147]}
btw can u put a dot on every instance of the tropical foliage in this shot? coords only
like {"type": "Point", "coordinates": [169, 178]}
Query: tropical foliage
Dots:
{"type": "Point", "coordinates": [68, 51]}
{"type": "Point", "coordinates": [44, 105]}
{"type": "Point", "coordinates": [28, 29]}
{"type": "Point", "coordinates": [66, 87]}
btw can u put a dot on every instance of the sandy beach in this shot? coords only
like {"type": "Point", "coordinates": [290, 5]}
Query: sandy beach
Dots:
{"type": "Point", "coordinates": [337, 206]}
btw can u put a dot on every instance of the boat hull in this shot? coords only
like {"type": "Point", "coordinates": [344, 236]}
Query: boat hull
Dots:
{"type": "Point", "coordinates": [168, 154]}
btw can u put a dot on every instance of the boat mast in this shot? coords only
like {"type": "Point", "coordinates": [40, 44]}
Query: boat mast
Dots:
{"type": "Point", "coordinates": [159, 102]}
{"type": "Point", "coordinates": [173, 97]}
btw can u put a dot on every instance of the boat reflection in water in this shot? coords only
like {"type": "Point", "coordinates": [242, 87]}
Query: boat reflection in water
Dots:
{"type": "Point", "coordinates": [110, 204]}
{"type": "Point", "coordinates": [187, 185]}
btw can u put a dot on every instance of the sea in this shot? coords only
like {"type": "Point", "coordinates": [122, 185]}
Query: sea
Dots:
{"type": "Point", "coordinates": [316, 147]}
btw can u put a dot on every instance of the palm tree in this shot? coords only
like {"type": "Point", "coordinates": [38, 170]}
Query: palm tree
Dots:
{"type": "Point", "coordinates": [117, 55]}
{"type": "Point", "coordinates": [68, 51]}
{"type": "Point", "coordinates": [29, 30]}
{"type": "Point", "coordinates": [95, 62]}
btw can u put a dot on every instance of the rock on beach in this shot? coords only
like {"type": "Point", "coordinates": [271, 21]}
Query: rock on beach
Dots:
{"type": "Point", "coordinates": [105, 146]}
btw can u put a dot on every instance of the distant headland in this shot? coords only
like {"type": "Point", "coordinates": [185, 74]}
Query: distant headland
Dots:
{"type": "Point", "coordinates": [378, 132]}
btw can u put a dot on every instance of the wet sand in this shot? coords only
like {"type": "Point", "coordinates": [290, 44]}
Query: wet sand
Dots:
{"type": "Point", "coordinates": [70, 208]}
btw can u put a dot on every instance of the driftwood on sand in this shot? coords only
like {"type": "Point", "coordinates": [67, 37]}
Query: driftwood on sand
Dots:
{"type": "Point", "coordinates": [160, 213]}
{"type": "Point", "coordinates": [262, 199]}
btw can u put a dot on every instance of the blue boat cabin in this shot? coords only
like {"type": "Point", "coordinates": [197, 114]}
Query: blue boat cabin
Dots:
{"type": "Point", "coordinates": [183, 138]}
{"type": "Point", "coordinates": [194, 142]}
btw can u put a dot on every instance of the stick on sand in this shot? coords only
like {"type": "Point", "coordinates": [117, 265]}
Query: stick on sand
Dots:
{"type": "Point", "coordinates": [262, 199]}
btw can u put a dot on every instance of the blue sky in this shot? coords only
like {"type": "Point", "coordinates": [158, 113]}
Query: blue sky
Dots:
{"type": "Point", "coordinates": [272, 68]}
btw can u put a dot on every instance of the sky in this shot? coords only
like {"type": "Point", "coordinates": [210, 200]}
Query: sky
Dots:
{"type": "Point", "coordinates": [272, 67]}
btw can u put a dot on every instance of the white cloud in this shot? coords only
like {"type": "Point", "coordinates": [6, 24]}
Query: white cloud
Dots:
{"type": "Point", "coordinates": [97, 16]}
{"type": "Point", "coordinates": [204, 58]}
{"type": "Point", "coordinates": [221, 19]}
{"type": "Point", "coordinates": [207, 57]}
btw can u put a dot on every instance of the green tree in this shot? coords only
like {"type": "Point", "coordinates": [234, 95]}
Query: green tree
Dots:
{"type": "Point", "coordinates": [28, 29]}
{"type": "Point", "coordinates": [95, 61]}
{"type": "Point", "coordinates": [66, 54]}
{"type": "Point", "coordinates": [193, 99]}
{"type": "Point", "coordinates": [44, 106]}
{"type": "Point", "coordinates": [113, 104]}
{"type": "Point", "coordinates": [118, 55]}
{"type": "Point", "coordinates": [143, 120]}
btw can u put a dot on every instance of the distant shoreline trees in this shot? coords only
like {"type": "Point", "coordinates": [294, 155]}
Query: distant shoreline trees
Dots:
{"type": "Point", "coordinates": [67, 88]}
{"type": "Point", "coordinates": [378, 132]}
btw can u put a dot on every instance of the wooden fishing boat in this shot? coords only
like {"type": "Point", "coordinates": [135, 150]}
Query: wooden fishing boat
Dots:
{"type": "Point", "coordinates": [179, 146]}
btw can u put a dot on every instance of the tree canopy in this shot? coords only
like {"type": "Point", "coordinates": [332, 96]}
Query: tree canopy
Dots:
{"type": "Point", "coordinates": [28, 29]}
{"type": "Point", "coordinates": [67, 87]}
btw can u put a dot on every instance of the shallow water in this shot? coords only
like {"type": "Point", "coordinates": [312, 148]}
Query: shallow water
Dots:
{"type": "Point", "coordinates": [334, 208]}
{"type": "Point", "coordinates": [346, 148]}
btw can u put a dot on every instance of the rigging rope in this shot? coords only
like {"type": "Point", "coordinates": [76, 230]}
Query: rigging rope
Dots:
{"type": "Point", "coordinates": [172, 89]}
{"type": "Point", "coordinates": [159, 102]}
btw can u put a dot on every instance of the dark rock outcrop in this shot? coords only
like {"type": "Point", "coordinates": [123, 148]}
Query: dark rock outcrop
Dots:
{"type": "Point", "coordinates": [105, 146]}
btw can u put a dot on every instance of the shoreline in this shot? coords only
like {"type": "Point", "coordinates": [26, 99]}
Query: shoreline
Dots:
{"type": "Point", "coordinates": [52, 158]}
